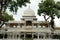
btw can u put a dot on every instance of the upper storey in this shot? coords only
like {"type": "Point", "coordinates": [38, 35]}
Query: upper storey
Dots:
{"type": "Point", "coordinates": [29, 12]}
{"type": "Point", "coordinates": [28, 19]}
{"type": "Point", "coordinates": [29, 15]}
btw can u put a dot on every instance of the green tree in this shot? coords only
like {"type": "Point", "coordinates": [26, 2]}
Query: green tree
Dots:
{"type": "Point", "coordinates": [12, 5]}
{"type": "Point", "coordinates": [6, 17]}
{"type": "Point", "coordinates": [49, 8]}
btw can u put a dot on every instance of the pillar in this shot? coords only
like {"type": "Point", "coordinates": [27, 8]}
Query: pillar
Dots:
{"type": "Point", "coordinates": [32, 35]}
{"type": "Point", "coordinates": [7, 35]}
{"type": "Point", "coordinates": [19, 35]}
{"type": "Point", "coordinates": [24, 36]}
{"type": "Point", "coordinates": [3, 35]}
{"type": "Point", "coordinates": [13, 35]}
{"type": "Point", "coordinates": [38, 35]}
{"type": "Point", "coordinates": [10, 35]}
{"type": "Point", "coordinates": [44, 36]}
{"type": "Point", "coordinates": [49, 35]}
{"type": "Point", "coordinates": [8, 25]}
{"type": "Point", "coordinates": [32, 25]}
{"type": "Point", "coordinates": [37, 25]}
{"type": "Point", "coordinates": [16, 35]}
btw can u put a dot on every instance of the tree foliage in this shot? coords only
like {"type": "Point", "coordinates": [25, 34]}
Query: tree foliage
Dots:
{"type": "Point", "coordinates": [7, 17]}
{"type": "Point", "coordinates": [12, 5]}
{"type": "Point", "coordinates": [50, 8]}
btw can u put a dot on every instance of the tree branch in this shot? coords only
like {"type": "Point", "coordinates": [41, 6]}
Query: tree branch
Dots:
{"type": "Point", "coordinates": [48, 17]}
{"type": "Point", "coordinates": [45, 17]}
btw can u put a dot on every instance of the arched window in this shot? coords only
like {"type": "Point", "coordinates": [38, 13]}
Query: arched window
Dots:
{"type": "Point", "coordinates": [14, 26]}
{"type": "Point", "coordinates": [43, 26]}
{"type": "Point", "coordinates": [39, 26]}
{"type": "Point", "coordinates": [18, 26]}
{"type": "Point", "coordinates": [28, 23]}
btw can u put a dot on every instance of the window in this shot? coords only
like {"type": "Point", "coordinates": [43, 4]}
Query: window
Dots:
{"type": "Point", "coordinates": [35, 36]}
{"type": "Point", "coordinates": [43, 26]}
{"type": "Point", "coordinates": [35, 24]}
{"type": "Point", "coordinates": [21, 25]}
{"type": "Point", "coordinates": [40, 36]}
{"type": "Point", "coordinates": [28, 23]}
{"type": "Point", "coordinates": [22, 36]}
{"type": "Point", "coordinates": [39, 26]}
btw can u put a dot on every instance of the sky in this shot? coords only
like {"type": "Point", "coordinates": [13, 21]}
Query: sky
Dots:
{"type": "Point", "coordinates": [34, 6]}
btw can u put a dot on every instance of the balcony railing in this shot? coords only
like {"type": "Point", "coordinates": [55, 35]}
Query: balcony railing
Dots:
{"type": "Point", "coordinates": [30, 39]}
{"type": "Point", "coordinates": [33, 28]}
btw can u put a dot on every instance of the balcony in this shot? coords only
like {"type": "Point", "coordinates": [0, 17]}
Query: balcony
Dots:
{"type": "Point", "coordinates": [30, 39]}
{"type": "Point", "coordinates": [28, 29]}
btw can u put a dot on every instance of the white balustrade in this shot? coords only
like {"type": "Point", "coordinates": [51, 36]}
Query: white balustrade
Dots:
{"type": "Point", "coordinates": [45, 39]}
{"type": "Point", "coordinates": [14, 26]}
{"type": "Point", "coordinates": [23, 26]}
{"type": "Point", "coordinates": [18, 26]}
{"type": "Point", "coordinates": [34, 26]}
{"type": "Point", "coordinates": [10, 39]}
{"type": "Point", "coordinates": [43, 26]}
{"type": "Point", "coordinates": [39, 26]}
{"type": "Point", "coordinates": [33, 39]}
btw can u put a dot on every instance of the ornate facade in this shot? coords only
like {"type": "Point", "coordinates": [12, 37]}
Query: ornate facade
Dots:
{"type": "Point", "coordinates": [28, 28]}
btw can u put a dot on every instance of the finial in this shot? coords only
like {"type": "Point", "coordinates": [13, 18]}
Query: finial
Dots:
{"type": "Point", "coordinates": [29, 6]}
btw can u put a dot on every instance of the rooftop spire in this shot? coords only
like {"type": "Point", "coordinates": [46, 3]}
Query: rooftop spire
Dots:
{"type": "Point", "coordinates": [29, 7]}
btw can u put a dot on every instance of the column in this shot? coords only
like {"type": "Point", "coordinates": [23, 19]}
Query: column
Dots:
{"type": "Point", "coordinates": [32, 35]}
{"type": "Point", "coordinates": [19, 35]}
{"type": "Point", "coordinates": [37, 25]}
{"type": "Point", "coordinates": [49, 35]}
{"type": "Point", "coordinates": [44, 36]}
{"type": "Point", "coordinates": [8, 25]}
{"type": "Point", "coordinates": [32, 25]}
{"type": "Point", "coordinates": [24, 36]}
{"type": "Point", "coordinates": [7, 35]}
{"type": "Point", "coordinates": [16, 35]}
{"type": "Point", "coordinates": [13, 35]}
{"type": "Point", "coordinates": [3, 35]}
{"type": "Point", "coordinates": [10, 36]}
{"type": "Point", "coordinates": [38, 35]}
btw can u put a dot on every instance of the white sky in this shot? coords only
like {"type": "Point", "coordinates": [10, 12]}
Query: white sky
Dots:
{"type": "Point", "coordinates": [34, 6]}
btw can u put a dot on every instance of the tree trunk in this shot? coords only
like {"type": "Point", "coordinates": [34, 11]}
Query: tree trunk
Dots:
{"type": "Point", "coordinates": [0, 19]}
{"type": "Point", "coordinates": [0, 16]}
{"type": "Point", "coordinates": [52, 26]}
{"type": "Point", "coordinates": [52, 22]}
{"type": "Point", "coordinates": [1, 7]}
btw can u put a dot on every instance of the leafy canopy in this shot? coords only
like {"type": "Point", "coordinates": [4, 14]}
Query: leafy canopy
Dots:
{"type": "Point", "coordinates": [49, 7]}
{"type": "Point", "coordinates": [7, 17]}
{"type": "Point", "coordinates": [13, 4]}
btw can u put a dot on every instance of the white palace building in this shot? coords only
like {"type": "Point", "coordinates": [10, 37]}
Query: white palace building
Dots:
{"type": "Point", "coordinates": [28, 28]}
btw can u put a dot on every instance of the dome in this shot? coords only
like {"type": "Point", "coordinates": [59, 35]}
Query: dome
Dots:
{"type": "Point", "coordinates": [29, 12]}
